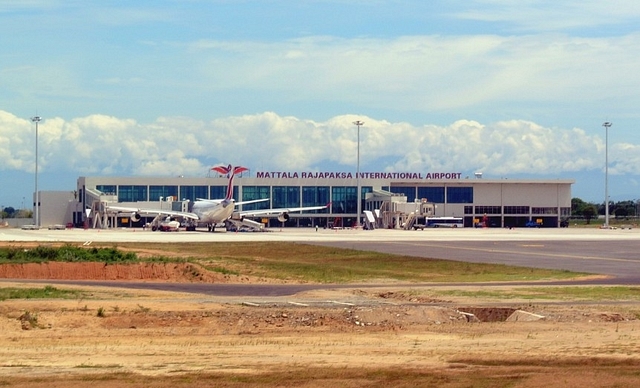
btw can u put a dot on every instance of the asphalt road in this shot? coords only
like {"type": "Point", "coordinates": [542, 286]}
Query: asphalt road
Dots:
{"type": "Point", "coordinates": [617, 258]}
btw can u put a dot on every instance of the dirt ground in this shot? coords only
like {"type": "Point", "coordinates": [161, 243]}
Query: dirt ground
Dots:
{"type": "Point", "coordinates": [347, 337]}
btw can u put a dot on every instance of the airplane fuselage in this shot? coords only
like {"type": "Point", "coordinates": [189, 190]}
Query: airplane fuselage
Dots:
{"type": "Point", "coordinates": [213, 212]}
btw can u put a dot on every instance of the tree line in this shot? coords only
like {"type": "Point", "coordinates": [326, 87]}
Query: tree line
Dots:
{"type": "Point", "coordinates": [589, 210]}
{"type": "Point", "coordinates": [11, 212]}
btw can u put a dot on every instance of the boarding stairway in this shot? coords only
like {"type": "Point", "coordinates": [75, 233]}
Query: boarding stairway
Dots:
{"type": "Point", "coordinates": [411, 220]}
{"type": "Point", "coordinates": [237, 223]}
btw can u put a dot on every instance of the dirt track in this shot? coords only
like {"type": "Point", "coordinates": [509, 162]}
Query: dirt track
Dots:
{"type": "Point", "coordinates": [363, 336]}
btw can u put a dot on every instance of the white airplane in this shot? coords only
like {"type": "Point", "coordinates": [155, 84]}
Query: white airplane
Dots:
{"type": "Point", "coordinates": [214, 211]}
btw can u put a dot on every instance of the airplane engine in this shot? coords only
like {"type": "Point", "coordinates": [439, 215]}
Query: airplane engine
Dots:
{"type": "Point", "coordinates": [134, 217]}
{"type": "Point", "coordinates": [283, 217]}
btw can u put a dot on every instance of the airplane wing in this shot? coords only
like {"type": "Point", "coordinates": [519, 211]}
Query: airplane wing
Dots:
{"type": "Point", "coordinates": [276, 212]}
{"type": "Point", "coordinates": [236, 203]}
{"type": "Point", "coordinates": [135, 210]}
{"type": "Point", "coordinates": [252, 201]}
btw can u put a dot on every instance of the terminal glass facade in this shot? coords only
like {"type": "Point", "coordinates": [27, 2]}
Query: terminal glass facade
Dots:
{"type": "Point", "coordinates": [107, 189]}
{"type": "Point", "coordinates": [285, 196]}
{"type": "Point", "coordinates": [132, 193]}
{"type": "Point", "coordinates": [344, 199]}
{"type": "Point", "coordinates": [155, 192]}
{"type": "Point", "coordinates": [435, 194]}
{"type": "Point", "coordinates": [544, 210]}
{"type": "Point", "coordinates": [219, 192]}
{"type": "Point", "coordinates": [193, 192]}
{"type": "Point", "coordinates": [315, 196]}
{"type": "Point", "coordinates": [409, 192]}
{"type": "Point", "coordinates": [488, 209]}
{"type": "Point", "coordinates": [363, 194]}
{"type": "Point", "coordinates": [250, 193]}
{"type": "Point", "coordinates": [516, 210]}
{"type": "Point", "coordinates": [459, 195]}
{"type": "Point", "coordinates": [432, 194]}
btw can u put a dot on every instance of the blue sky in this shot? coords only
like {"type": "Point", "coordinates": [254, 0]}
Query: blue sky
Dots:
{"type": "Point", "coordinates": [515, 89]}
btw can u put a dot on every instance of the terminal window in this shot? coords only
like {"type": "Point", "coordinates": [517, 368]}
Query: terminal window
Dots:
{"type": "Point", "coordinates": [432, 194]}
{"type": "Point", "coordinates": [127, 193]}
{"type": "Point", "coordinates": [343, 199]}
{"type": "Point", "coordinates": [459, 194]}
{"type": "Point", "coordinates": [516, 210]}
{"type": "Point", "coordinates": [155, 192]}
{"type": "Point", "coordinates": [315, 196]}
{"type": "Point", "coordinates": [193, 192]}
{"type": "Point", "coordinates": [409, 192]}
{"type": "Point", "coordinates": [219, 192]}
{"type": "Point", "coordinates": [106, 189]}
{"type": "Point", "coordinates": [250, 193]}
{"type": "Point", "coordinates": [286, 196]}
{"type": "Point", "coordinates": [544, 210]}
{"type": "Point", "coordinates": [488, 209]}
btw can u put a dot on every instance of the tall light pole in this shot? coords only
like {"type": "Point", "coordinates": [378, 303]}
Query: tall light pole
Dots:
{"type": "Point", "coordinates": [358, 123]}
{"type": "Point", "coordinates": [606, 126]}
{"type": "Point", "coordinates": [36, 219]}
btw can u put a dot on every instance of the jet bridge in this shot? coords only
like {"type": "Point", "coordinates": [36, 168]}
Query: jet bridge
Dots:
{"type": "Point", "coordinates": [97, 212]}
{"type": "Point", "coordinates": [392, 211]}
{"type": "Point", "coordinates": [422, 209]}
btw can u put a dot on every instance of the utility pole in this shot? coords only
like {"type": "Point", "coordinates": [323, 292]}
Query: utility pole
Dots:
{"type": "Point", "coordinates": [358, 123]}
{"type": "Point", "coordinates": [606, 126]}
{"type": "Point", "coordinates": [36, 219]}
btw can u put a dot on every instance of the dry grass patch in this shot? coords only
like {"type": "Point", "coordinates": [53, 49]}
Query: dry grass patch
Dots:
{"type": "Point", "coordinates": [310, 263]}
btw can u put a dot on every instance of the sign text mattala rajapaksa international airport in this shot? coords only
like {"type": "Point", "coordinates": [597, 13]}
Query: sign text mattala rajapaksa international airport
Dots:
{"type": "Point", "coordinates": [363, 175]}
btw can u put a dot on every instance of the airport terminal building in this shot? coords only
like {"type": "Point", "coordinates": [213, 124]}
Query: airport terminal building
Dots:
{"type": "Point", "coordinates": [503, 202]}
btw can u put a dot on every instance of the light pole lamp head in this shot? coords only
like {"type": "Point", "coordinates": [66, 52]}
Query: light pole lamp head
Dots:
{"type": "Point", "coordinates": [607, 124]}
{"type": "Point", "coordinates": [35, 119]}
{"type": "Point", "coordinates": [358, 123]}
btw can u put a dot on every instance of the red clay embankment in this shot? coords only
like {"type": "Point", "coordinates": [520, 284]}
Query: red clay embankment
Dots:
{"type": "Point", "coordinates": [168, 272]}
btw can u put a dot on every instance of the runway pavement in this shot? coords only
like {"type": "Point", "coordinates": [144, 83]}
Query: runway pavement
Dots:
{"type": "Point", "coordinates": [609, 252]}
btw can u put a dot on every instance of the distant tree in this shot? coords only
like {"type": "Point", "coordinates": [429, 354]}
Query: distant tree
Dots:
{"type": "Point", "coordinates": [602, 210]}
{"type": "Point", "coordinates": [624, 208]}
{"type": "Point", "coordinates": [578, 206]}
{"type": "Point", "coordinates": [584, 209]}
{"type": "Point", "coordinates": [9, 212]}
{"type": "Point", "coordinates": [621, 212]}
{"type": "Point", "coordinates": [589, 212]}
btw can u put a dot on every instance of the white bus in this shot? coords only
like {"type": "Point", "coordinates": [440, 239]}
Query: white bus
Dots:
{"type": "Point", "coordinates": [443, 222]}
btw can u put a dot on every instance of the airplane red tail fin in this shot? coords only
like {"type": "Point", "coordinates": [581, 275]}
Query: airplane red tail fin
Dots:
{"type": "Point", "coordinates": [230, 171]}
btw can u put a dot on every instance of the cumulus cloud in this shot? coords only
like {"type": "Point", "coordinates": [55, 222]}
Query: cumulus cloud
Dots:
{"type": "Point", "coordinates": [100, 144]}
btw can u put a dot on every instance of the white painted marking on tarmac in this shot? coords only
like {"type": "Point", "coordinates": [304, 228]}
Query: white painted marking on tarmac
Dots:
{"type": "Point", "coordinates": [342, 303]}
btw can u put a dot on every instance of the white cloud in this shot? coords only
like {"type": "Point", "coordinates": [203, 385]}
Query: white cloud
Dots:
{"type": "Point", "coordinates": [100, 144]}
